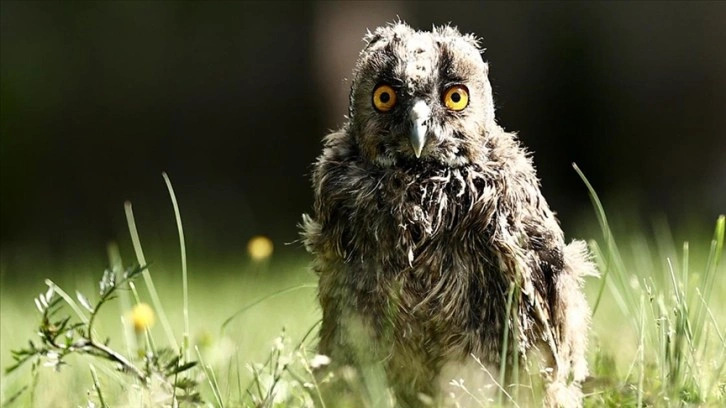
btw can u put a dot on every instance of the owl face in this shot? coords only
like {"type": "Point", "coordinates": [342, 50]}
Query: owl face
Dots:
{"type": "Point", "coordinates": [421, 97]}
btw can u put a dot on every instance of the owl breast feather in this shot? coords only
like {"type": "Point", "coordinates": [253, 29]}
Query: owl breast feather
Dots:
{"type": "Point", "coordinates": [408, 210]}
{"type": "Point", "coordinates": [421, 237]}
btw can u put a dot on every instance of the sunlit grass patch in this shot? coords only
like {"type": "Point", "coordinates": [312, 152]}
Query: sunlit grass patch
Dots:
{"type": "Point", "coordinates": [664, 325]}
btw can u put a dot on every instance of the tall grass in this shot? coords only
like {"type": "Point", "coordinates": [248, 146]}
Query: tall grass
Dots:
{"type": "Point", "coordinates": [658, 334]}
{"type": "Point", "coordinates": [681, 350]}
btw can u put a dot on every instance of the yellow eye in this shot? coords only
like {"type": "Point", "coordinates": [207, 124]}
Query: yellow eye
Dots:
{"type": "Point", "coordinates": [384, 98]}
{"type": "Point", "coordinates": [456, 97]}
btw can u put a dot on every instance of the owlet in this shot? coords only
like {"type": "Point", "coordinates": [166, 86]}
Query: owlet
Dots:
{"type": "Point", "coordinates": [431, 238]}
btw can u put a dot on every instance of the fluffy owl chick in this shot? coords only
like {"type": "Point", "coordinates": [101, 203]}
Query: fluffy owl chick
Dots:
{"type": "Point", "coordinates": [428, 218]}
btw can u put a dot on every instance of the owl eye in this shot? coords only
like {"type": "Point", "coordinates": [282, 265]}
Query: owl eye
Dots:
{"type": "Point", "coordinates": [384, 98]}
{"type": "Point", "coordinates": [456, 97]}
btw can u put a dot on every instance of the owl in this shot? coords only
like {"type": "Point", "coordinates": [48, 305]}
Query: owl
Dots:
{"type": "Point", "coordinates": [431, 238]}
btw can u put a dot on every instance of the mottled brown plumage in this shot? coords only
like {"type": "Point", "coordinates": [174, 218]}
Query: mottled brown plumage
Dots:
{"type": "Point", "coordinates": [427, 215]}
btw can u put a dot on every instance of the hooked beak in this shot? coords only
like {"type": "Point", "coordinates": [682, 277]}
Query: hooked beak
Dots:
{"type": "Point", "coordinates": [420, 114]}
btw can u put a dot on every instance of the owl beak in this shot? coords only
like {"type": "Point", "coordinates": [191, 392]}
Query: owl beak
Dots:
{"type": "Point", "coordinates": [420, 114]}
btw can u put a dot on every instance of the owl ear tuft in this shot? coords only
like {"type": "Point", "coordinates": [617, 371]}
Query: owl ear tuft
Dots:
{"type": "Point", "coordinates": [372, 37]}
{"type": "Point", "coordinates": [397, 22]}
{"type": "Point", "coordinates": [450, 31]}
{"type": "Point", "coordinates": [475, 41]}
{"type": "Point", "coordinates": [393, 31]}
{"type": "Point", "coordinates": [447, 30]}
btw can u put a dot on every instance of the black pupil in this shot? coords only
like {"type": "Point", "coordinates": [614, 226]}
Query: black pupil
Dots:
{"type": "Point", "coordinates": [385, 97]}
{"type": "Point", "coordinates": [455, 97]}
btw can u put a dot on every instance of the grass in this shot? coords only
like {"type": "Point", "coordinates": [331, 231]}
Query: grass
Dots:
{"type": "Point", "coordinates": [246, 339]}
{"type": "Point", "coordinates": [657, 338]}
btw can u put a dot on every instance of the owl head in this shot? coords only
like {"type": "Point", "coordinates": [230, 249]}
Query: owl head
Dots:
{"type": "Point", "coordinates": [421, 96]}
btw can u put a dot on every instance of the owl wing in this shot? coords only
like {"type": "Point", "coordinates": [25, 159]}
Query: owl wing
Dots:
{"type": "Point", "coordinates": [552, 284]}
{"type": "Point", "coordinates": [532, 258]}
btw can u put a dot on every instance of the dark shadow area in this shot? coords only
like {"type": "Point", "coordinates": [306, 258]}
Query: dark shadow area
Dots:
{"type": "Point", "coordinates": [232, 99]}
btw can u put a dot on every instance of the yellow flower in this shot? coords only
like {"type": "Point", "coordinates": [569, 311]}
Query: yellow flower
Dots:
{"type": "Point", "coordinates": [259, 248]}
{"type": "Point", "coordinates": [142, 317]}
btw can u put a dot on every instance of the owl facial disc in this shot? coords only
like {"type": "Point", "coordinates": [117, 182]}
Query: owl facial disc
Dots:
{"type": "Point", "coordinates": [420, 114]}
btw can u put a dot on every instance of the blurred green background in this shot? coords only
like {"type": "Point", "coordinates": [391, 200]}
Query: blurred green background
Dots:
{"type": "Point", "coordinates": [232, 100]}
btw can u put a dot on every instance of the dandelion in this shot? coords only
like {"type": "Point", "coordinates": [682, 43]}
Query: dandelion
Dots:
{"type": "Point", "coordinates": [259, 248]}
{"type": "Point", "coordinates": [142, 317]}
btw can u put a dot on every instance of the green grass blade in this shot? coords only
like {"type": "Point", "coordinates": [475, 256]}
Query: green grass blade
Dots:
{"type": "Point", "coordinates": [614, 259]}
{"type": "Point", "coordinates": [641, 353]}
{"type": "Point", "coordinates": [262, 299]}
{"type": "Point", "coordinates": [712, 263]}
{"type": "Point", "coordinates": [211, 378]}
{"type": "Point", "coordinates": [116, 265]}
{"type": "Point", "coordinates": [68, 299]}
{"type": "Point", "coordinates": [147, 276]}
{"type": "Point", "coordinates": [9, 402]}
{"type": "Point", "coordinates": [97, 386]}
{"type": "Point", "coordinates": [603, 267]}
{"type": "Point", "coordinates": [183, 250]}
{"type": "Point", "coordinates": [505, 340]}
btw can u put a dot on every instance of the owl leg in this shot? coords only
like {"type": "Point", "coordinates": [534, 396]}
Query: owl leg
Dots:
{"type": "Point", "coordinates": [572, 322]}
{"type": "Point", "coordinates": [355, 376]}
{"type": "Point", "coordinates": [339, 380]}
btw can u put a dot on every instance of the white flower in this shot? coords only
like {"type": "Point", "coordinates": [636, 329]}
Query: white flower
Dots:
{"type": "Point", "coordinates": [319, 360]}
{"type": "Point", "coordinates": [279, 344]}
